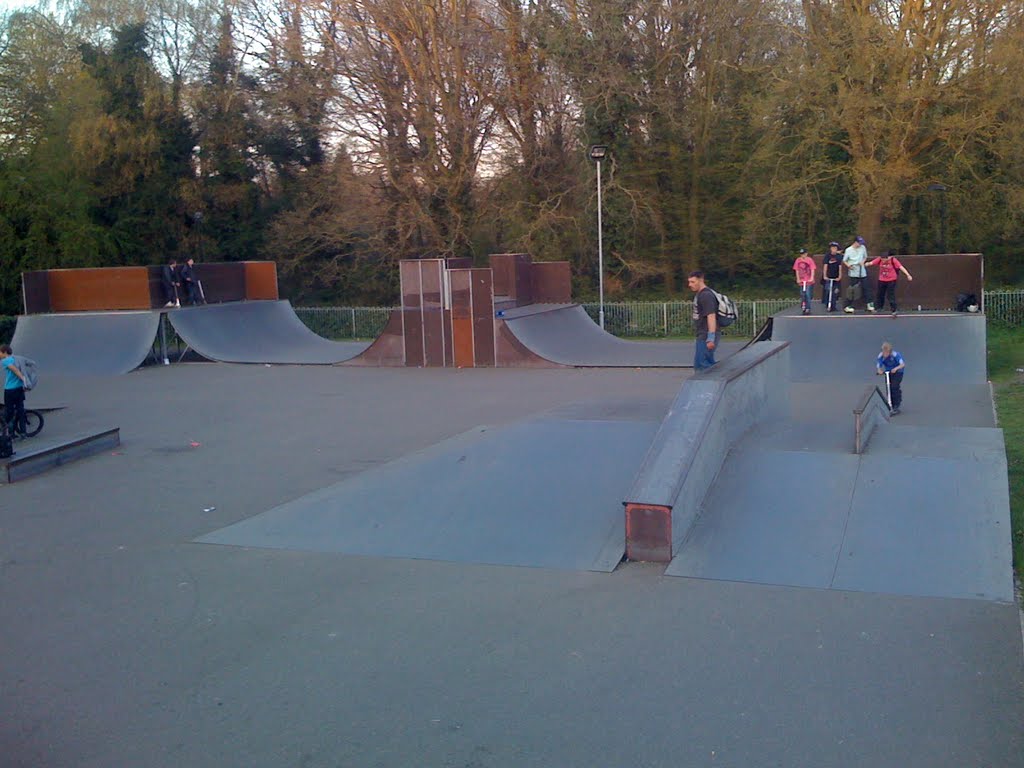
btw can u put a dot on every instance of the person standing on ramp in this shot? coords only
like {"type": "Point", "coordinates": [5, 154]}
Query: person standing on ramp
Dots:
{"type": "Point", "coordinates": [804, 267]}
{"type": "Point", "coordinates": [171, 283]}
{"type": "Point", "coordinates": [889, 268]}
{"type": "Point", "coordinates": [854, 259]}
{"type": "Point", "coordinates": [890, 364]}
{"type": "Point", "coordinates": [705, 319]}
{"type": "Point", "coordinates": [831, 275]}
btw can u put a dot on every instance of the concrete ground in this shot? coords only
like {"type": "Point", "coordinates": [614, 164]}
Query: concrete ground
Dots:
{"type": "Point", "coordinates": [125, 643]}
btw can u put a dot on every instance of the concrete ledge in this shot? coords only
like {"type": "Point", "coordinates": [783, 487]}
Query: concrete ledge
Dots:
{"type": "Point", "coordinates": [869, 413]}
{"type": "Point", "coordinates": [33, 462]}
{"type": "Point", "coordinates": [709, 415]}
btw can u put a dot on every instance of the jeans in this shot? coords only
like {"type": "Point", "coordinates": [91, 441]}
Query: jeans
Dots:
{"type": "Point", "coordinates": [14, 409]}
{"type": "Point", "coordinates": [703, 358]}
{"type": "Point", "coordinates": [806, 296]}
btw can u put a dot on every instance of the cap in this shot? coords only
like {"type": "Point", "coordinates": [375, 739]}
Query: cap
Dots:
{"type": "Point", "coordinates": [803, 250]}
{"type": "Point", "coordinates": [861, 240]}
{"type": "Point", "coordinates": [833, 243]}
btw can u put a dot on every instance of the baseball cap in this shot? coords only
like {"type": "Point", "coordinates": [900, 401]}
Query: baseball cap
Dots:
{"type": "Point", "coordinates": [833, 243]}
{"type": "Point", "coordinates": [861, 240]}
{"type": "Point", "coordinates": [803, 250]}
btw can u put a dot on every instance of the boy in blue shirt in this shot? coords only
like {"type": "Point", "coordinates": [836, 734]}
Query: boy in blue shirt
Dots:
{"type": "Point", "coordinates": [890, 361]}
{"type": "Point", "coordinates": [14, 390]}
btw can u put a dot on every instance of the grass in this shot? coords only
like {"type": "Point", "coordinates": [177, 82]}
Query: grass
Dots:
{"type": "Point", "coordinates": [1005, 358]}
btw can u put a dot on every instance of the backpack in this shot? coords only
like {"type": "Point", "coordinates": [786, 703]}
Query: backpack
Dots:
{"type": "Point", "coordinates": [29, 370]}
{"type": "Point", "coordinates": [726, 309]}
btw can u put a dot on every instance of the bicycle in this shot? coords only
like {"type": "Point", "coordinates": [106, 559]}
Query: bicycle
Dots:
{"type": "Point", "coordinates": [33, 424]}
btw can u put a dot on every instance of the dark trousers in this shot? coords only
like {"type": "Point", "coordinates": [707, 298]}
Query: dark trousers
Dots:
{"type": "Point", "coordinates": [192, 291]}
{"type": "Point", "coordinates": [14, 409]}
{"type": "Point", "coordinates": [886, 288]}
{"type": "Point", "coordinates": [170, 293]}
{"type": "Point", "coordinates": [895, 388]}
{"type": "Point", "coordinates": [855, 291]}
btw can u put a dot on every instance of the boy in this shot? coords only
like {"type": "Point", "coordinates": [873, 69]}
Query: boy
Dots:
{"type": "Point", "coordinates": [889, 268]}
{"type": "Point", "coordinates": [853, 259]}
{"type": "Point", "coordinates": [891, 362]}
{"type": "Point", "coordinates": [804, 267]}
{"type": "Point", "coordinates": [14, 390]}
{"type": "Point", "coordinates": [831, 274]}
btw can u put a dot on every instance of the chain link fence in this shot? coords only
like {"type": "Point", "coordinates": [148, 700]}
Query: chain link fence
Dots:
{"type": "Point", "coordinates": [636, 319]}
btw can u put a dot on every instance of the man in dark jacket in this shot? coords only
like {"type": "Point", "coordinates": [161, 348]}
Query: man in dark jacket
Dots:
{"type": "Point", "coordinates": [171, 283]}
{"type": "Point", "coordinates": [189, 282]}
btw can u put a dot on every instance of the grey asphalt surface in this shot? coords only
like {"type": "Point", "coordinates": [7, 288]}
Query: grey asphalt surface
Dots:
{"type": "Point", "coordinates": [125, 643]}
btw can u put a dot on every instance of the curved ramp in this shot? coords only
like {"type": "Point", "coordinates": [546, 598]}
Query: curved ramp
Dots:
{"type": "Point", "coordinates": [565, 334]}
{"type": "Point", "coordinates": [258, 332]}
{"type": "Point", "coordinates": [87, 344]}
{"type": "Point", "coordinates": [940, 348]}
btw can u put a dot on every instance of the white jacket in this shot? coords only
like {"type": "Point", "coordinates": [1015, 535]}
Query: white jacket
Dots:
{"type": "Point", "coordinates": [854, 258]}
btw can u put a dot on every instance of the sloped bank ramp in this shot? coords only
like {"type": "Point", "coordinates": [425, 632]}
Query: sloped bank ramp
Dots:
{"type": "Point", "coordinates": [258, 332]}
{"type": "Point", "coordinates": [87, 344]}
{"type": "Point", "coordinates": [565, 334]}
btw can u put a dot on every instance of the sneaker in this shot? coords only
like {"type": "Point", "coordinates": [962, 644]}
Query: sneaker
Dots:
{"type": "Point", "coordinates": [177, 304]}
{"type": "Point", "coordinates": [894, 411]}
{"type": "Point", "coordinates": [871, 307]}
{"type": "Point", "coordinates": [169, 304]}
{"type": "Point", "coordinates": [849, 310]}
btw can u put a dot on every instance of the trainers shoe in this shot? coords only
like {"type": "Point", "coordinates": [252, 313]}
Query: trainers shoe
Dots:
{"type": "Point", "coordinates": [871, 307]}
{"type": "Point", "coordinates": [850, 310]}
{"type": "Point", "coordinates": [169, 304]}
{"type": "Point", "coordinates": [894, 411]}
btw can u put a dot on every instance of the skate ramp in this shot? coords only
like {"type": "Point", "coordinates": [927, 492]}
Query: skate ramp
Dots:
{"type": "Point", "coordinates": [86, 344]}
{"type": "Point", "coordinates": [542, 493]}
{"type": "Point", "coordinates": [924, 512]}
{"type": "Point", "coordinates": [946, 347]}
{"type": "Point", "coordinates": [565, 334]}
{"type": "Point", "coordinates": [258, 332]}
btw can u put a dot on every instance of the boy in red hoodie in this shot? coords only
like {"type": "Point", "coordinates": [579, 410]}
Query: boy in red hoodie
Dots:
{"type": "Point", "coordinates": [804, 267]}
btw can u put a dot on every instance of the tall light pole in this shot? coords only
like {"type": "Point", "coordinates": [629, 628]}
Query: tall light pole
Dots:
{"type": "Point", "coordinates": [597, 154]}
{"type": "Point", "coordinates": [941, 189]}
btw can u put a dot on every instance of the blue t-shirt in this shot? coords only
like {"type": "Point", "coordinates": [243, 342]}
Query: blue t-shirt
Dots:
{"type": "Point", "coordinates": [12, 381]}
{"type": "Point", "coordinates": [892, 361]}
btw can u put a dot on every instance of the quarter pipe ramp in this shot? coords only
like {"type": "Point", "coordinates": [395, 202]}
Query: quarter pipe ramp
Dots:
{"type": "Point", "coordinates": [258, 332]}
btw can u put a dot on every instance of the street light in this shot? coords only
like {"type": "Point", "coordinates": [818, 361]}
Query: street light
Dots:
{"type": "Point", "coordinates": [597, 154]}
{"type": "Point", "coordinates": [941, 188]}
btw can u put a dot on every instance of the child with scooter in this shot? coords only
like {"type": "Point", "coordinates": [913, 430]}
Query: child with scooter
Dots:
{"type": "Point", "coordinates": [891, 364]}
{"type": "Point", "coordinates": [831, 274]}
{"type": "Point", "coordinates": [805, 268]}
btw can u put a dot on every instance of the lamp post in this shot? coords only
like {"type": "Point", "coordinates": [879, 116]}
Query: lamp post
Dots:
{"type": "Point", "coordinates": [597, 154]}
{"type": "Point", "coordinates": [941, 189]}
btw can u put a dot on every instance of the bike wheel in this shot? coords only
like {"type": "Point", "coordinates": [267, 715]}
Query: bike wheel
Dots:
{"type": "Point", "coordinates": [33, 423]}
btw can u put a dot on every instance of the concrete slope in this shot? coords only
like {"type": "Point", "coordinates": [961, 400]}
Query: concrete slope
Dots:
{"type": "Point", "coordinates": [86, 344]}
{"type": "Point", "coordinates": [257, 332]}
{"type": "Point", "coordinates": [565, 334]}
{"type": "Point", "coordinates": [943, 347]}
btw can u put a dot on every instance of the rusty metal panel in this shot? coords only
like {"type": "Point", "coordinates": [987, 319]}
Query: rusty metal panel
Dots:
{"type": "Point", "coordinates": [105, 288]}
{"type": "Point", "coordinates": [482, 291]}
{"type": "Point", "coordinates": [260, 280]}
{"type": "Point", "coordinates": [462, 317]}
{"type": "Point", "coordinates": [551, 282]}
{"type": "Point", "coordinates": [432, 287]}
{"type": "Point", "coordinates": [222, 281]}
{"type": "Point", "coordinates": [648, 533]}
{"type": "Point", "coordinates": [412, 312]}
{"type": "Point", "coordinates": [512, 276]}
{"type": "Point", "coordinates": [35, 288]}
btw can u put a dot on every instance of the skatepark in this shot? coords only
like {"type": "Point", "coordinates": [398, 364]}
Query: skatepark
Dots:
{"type": "Point", "coordinates": [361, 565]}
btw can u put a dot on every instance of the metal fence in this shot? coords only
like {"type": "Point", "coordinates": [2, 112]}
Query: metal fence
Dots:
{"type": "Point", "coordinates": [637, 319]}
